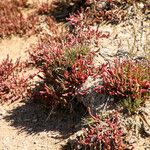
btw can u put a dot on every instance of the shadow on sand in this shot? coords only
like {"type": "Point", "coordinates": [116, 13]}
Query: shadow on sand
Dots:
{"type": "Point", "coordinates": [32, 118]}
{"type": "Point", "coordinates": [64, 9]}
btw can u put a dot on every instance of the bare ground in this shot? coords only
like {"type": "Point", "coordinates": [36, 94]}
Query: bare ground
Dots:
{"type": "Point", "coordinates": [25, 126]}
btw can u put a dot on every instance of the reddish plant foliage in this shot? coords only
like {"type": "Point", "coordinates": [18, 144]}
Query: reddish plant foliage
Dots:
{"type": "Point", "coordinates": [126, 79]}
{"type": "Point", "coordinates": [102, 132]}
{"type": "Point", "coordinates": [13, 84]}
{"type": "Point", "coordinates": [14, 22]}
{"type": "Point", "coordinates": [65, 60]}
{"type": "Point", "coordinates": [83, 32]}
{"type": "Point", "coordinates": [78, 74]}
{"type": "Point", "coordinates": [100, 11]}
{"type": "Point", "coordinates": [64, 69]}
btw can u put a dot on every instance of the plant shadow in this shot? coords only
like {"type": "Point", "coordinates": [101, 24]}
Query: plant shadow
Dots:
{"type": "Point", "coordinates": [32, 118]}
{"type": "Point", "coordinates": [62, 9]}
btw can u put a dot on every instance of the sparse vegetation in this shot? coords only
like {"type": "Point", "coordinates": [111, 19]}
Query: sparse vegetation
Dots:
{"type": "Point", "coordinates": [102, 132]}
{"type": "Point", "coordinates": [65, 61]}
{"type": "Point", "coordinates": [13, 21]}
{"type": "Point", "coordinates": [13, 84]}
{"type": "Point", "coordinates": [65, 66]}
{"type": "Point", "coordinates": [127, 81]}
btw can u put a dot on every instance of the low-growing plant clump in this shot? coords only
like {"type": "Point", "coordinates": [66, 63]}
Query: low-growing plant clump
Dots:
{"type": "Point", "coordinates": [13, 85]}
{"type": "Point", "coordinates": [66, 61]}
{"type": "Point", "coordinates": [64, 69]}
{"type": "Point", "coordinates": [13, 22]}
{"type": "Point", "coordinates": [102, 132]}
{"type": "Point", "coordinates": [128, 81]}
{"type": "Point", "coordinates": [96, 12]}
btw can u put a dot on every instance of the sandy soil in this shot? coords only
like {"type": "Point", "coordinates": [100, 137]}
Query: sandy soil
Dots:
{"type": "Point", "coordinates": [23, 125]}
{"type": "Point", "coordinates": [15, 47]}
